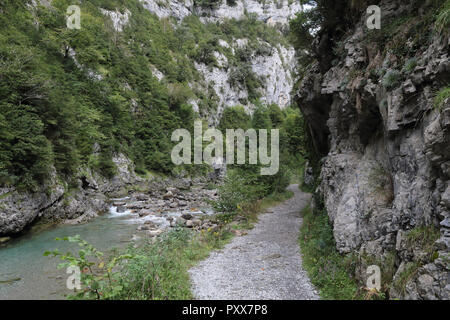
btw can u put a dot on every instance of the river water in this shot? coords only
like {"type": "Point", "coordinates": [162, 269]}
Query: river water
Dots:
{"type": "Point", "coordinates": [26, 274]}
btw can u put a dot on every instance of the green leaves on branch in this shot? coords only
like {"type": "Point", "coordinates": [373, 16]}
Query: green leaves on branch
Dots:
{"type": "Point", "coordinates": [100, 279]}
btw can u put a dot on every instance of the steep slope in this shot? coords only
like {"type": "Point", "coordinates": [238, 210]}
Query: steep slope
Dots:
{"type": "Point", "coordinates": [243, 66]}
{"type": "Point", "coordinates": [383, 140]}
{"type": "Point", "coordinates": [86, 113]}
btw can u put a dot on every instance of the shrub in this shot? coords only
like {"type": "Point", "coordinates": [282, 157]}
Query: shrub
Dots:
{"type": "Point", "coordinates": [238, 189]}
{"type": "Point", "coordinates": [234, 118]}
{"type": "Point", "coordinates": [331, 273]}
{"type": "Point", "coordinates": [153, 271]}
{"type": "Point", "coordinates": [410, 64]}
{"type": "Point", "coordinates": [391, 79]}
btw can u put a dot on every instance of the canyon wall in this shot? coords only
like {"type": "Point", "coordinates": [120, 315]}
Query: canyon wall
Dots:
{"type": "Point", "coordinates": [384, 148]}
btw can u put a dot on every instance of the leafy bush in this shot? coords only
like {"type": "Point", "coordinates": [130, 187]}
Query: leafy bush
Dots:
{"type": "Point", "coordinates": [234, 118]}
{"type": "Point", "coordinates": [205, 52]}
{"type": "Point", "coordinates": [242, 76]}
{"type": "Point", "coordinates": [153, 271]}
{"type": "Point", "coordinates": [233, 192]}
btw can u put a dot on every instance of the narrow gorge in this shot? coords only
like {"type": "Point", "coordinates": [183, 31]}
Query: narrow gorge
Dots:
{"type": "Point", "coordinates": [87, 115]}
{"type": "Point", "coordinates": [231, 68]}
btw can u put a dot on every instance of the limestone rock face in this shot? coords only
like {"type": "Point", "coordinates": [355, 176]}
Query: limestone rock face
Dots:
{"type": "Point", "coordinates": [53, 203]}
{"type": "Point", "coordinates": [119, 20]}
{"type": "Point", "coordinates": [274, 68]}
{"type": "Point", "coordinates": [276, 13]}
{"type": "Point", "coordinates": [178, 9]}
{"type": "Point", "coordinates": [386, 155]}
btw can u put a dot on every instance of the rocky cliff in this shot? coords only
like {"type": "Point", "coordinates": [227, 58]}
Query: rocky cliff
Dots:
{"type": "Point", "coordinates": [384, 142]}
{"type": "Point", "coordinates": [276, 13]}
{"type": "Point", "coordinates": [57, 201]}
{"type": "Point", "coordinates": [275, 66]}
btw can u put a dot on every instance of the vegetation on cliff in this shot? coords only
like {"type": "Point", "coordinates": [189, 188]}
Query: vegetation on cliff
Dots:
{"type": "Point", "coordinates": [362, 71]}
{"type": "Point", "coordinates": [71, 98]}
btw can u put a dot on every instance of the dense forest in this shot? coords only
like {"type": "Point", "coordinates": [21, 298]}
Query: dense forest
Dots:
{"type": "Point", "coordinates": [73, 98]}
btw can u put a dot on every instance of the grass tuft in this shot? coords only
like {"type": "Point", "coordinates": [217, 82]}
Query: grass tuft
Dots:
{"type": "Point", "coordinates": [443, 18]}
{"type": "Point", "coordinates": [330, 272]}
{"type": "Point", "coordinates": [441, 97]}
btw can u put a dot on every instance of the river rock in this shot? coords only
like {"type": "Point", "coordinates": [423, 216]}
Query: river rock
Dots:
{"type": "Point", "coordinates": [136, 205]}
{"type": "Point", "coordinates": [119, 204]}
{"type": "Point", "coordinates": [187, 216]}
{"type": "Point", "coordinates": [168, 195]}
{"type": "Point", "coordinates": [142, 197]}
{"type": "Point", "coordinates": [4, 239]}
{"type": "Point", "coordinates": [121, 209]}
{"type": "Point", "coordinates": [144, 213]}
{"type": "Point", "coordinates": [150, 223]}
{"type": "Point", "coordinates": [182, 203]}
{"type": "Point", "coordinates": [144, 228]}
{"type": "Point", "coordinates": [154, 233]}
{"type": "Point", "coordinates": [180, 221]}
{"type": "Point", "coordinates": [84, 218]}
{"type": "Point", "coordinates": [196, 222]}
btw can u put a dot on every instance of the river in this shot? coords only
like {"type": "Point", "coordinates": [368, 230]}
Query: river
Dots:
{"type": "Point", "coordinates": [26, 274]}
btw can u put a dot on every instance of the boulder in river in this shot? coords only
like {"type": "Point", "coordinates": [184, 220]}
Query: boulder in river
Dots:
{"type": "Point", "coordinates": [196, 222]}
{"type": "Point", "coordinates": [155, 233]}
{"type": "Point", "coordinates": [144, 227]}
{"type": "Point", "coordinates": [121, 209]}
{"type": "Point", "coordinates": [142, 197]}
{"type": "Point", "coordinates": [187, 216]}
{"type": "Point", "coordinates": [168, 195]}
{"type": "Point", "coordinates": [144, 213]}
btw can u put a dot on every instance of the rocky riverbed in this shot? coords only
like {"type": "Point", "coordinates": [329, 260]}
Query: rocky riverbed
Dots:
{"type": "Point", "coordinates": [158, 206]}
{"type": "Point", "coordinates": [163, 208]}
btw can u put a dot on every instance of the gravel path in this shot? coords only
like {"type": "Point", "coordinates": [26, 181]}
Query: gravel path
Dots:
{"type": "Point", "coordinates": [264, 264]}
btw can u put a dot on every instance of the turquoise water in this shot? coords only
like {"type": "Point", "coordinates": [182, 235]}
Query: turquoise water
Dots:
{"type": "Point", "coordinates": [36, 276]}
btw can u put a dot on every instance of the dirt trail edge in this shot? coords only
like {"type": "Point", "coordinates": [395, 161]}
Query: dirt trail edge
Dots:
{"type": "Point", "coordinates": [264, 264]}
